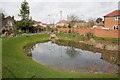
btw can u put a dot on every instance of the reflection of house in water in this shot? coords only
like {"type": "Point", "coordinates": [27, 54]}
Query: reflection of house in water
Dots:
{"type": "Point", "coordinates": [111, 57]}
{"type": "Point", "coordinates": [8, 23]}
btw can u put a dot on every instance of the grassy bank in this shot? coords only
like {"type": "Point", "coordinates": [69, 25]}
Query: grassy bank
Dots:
{"type": "Point", "coordinates": [17, 65]}
{"type": "Point", "coordinates": [0, 58]}
{"type": "Point", "coordinates": [108, 40]}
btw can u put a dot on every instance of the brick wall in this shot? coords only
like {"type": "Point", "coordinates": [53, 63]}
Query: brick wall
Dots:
{"type": "Point", "coordinates": [106, 33]}
{"type": "Point", "coordinates": [96, 32]}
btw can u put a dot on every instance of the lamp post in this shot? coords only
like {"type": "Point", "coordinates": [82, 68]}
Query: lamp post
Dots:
{"type": "Point", "coordinates": [60, 15]}
{"type": "Point", "coordinates": [49, 16]}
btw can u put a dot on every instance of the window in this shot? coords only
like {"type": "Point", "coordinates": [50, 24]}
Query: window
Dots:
{"type": "Point", "coordinates": [117, 18]}
{"type": "Point", "coordinates": [115, 27]}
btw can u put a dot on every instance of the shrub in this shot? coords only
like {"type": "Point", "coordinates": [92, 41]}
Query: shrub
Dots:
{"type": "Point", "coordinates": [88, 36]}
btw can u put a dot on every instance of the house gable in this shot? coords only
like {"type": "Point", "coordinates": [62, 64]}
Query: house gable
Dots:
{"type": "Point", "coordinates": [111, 19]}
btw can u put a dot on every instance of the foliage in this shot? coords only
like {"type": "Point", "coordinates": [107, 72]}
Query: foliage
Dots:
{"type": "Point", "coordinates": [25, 24]}
{"type": "Point", "coordinates": [73, 33]}
{"type": "Point", "coordinates": [61, 26]}
{"type": "Point", "coordinates": [104, 38]}
{"type": "Point", "coordinates": [2, 15]}
{"type": "Point", "coordinates": [85, 26]}
{"type": "Point", "coordinates": [110, 40]}
{"type": "Point", "coordinates": [72, 19]}
{"type": "Point", "coordinates": [88, 36]}
{"type": "Point", "coordinates": [91, 23]}
{"type": "Point", "coordinates": [24, 11]}
{"type": "Point", "coordinates": [99, 20]}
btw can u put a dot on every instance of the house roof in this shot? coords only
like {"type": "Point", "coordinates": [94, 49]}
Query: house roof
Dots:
{"type": "Point", "coordinates": [63, 21]}
{"type": "Point", "coordinates": [38, 24]}
{"type": "Point", "coordinates": [113, 14]}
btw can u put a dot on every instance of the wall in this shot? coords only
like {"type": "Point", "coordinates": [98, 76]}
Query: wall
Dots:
{"type": "Point", "coordinates": [99, 27]}
{"type": "Point", "coordinates": [106, 33]}
{"type": "Point", "coordinates": [96, 32]}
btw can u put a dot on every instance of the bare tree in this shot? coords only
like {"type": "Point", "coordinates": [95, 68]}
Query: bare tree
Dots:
{"type": "Point", "coordinates": [72, 19]}
{"type": "Point", "coordinates": [91, 22]}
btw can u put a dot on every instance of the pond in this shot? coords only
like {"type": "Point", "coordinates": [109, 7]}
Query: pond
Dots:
{"type": "Point", "coordinates": [71, 58]}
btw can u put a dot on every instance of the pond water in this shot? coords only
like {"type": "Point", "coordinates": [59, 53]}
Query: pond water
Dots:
{"type": "Point", "coordinates": [70, 58]}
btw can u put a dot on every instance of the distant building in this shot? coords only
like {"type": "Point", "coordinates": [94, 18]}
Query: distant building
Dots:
{"type": "Point", "coordinates": [8, 24]}
{"type": "Point", "coordinates": [39, 24]}
{"type": "Point", "coordinates": [112, 20]}
{"type": "Point", "coordinates": [80, 24]}
{"type": "Point", "coordinates": [62, 23]}
{"type": "Point", "coordinates": [83, 23]}
{"type": "Point", "coordinates": [52, 25]}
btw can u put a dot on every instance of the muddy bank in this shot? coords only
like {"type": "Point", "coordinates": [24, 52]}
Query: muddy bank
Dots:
{"type": "Point", "coordinates": [106, 45]}
{"type": "Point", "coordinates": [87, 45]}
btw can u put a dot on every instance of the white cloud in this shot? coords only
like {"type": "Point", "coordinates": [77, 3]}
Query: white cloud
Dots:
{"type": "Point", "coordinates": [61, 0]}
{"type": "Point", "coordinates": [41, 10]}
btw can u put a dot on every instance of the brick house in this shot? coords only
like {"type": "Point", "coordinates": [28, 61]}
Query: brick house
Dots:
{"type": "Point", "coordinates": [112, 20]}
{"type": "Point", "coordinates": [62, 23]}
{"type": "Point", "coordinates": [8, 24]}
{"type": "Point", "coordinates": [40, 24]}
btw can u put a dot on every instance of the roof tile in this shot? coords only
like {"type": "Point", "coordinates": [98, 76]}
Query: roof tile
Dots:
{"type": "Point", "coordinates": [113, 14]}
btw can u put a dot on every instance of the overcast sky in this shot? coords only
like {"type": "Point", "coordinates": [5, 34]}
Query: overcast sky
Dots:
{"type": "Point", "coordinates": [39, 10]}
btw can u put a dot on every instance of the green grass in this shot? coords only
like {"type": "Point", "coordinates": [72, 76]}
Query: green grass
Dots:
{"type": "Point", "coordinates": [106, 39]}
{"type": "Point", "coordinates": [17, 65]}
{"type": "Point", "coordinates": [0, 58]}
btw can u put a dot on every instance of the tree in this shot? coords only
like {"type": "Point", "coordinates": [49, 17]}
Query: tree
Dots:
{"type": "Point", "coordinates": [24, 11]}
{"type": "Point", "coordinates": [91, 23]}
{"type": "Point", "coordinates": [25, 26]}
{"type": "Point", "coordinates": [72, 19]}
{"type": "Point", "coordinates": [99, 20]}
{"type": "Point", "coordinates": [25, 22]}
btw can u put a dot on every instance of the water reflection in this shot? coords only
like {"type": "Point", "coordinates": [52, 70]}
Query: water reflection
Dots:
{"type": "Point", "coordinates": [110, 56]}
{"type": "Point", "coordinates": [74, 59]}
{"type": "Point", "coordinates": [72, 52]}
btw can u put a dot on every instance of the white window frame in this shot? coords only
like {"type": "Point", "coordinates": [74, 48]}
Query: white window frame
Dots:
{"type": "Point", "coordinates": [115, 27]}
{"type": "Point", "coordinates": [117, 18]}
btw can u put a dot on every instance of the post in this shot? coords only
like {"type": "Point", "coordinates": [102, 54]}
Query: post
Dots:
{"type": "Point", "coordinates": [60, 15]}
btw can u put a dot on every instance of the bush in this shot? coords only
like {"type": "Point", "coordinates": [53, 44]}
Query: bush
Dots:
{"type": "Point", "coordinates": [88, 36]}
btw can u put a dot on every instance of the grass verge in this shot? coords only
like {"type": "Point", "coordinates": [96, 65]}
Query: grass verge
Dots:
{"type": "Point", "coordinates": [16, 64]}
